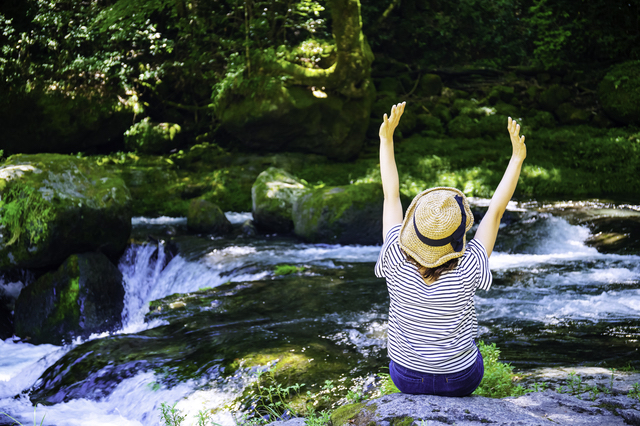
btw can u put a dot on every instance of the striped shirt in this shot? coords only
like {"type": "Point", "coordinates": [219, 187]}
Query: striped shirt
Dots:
{"type": "Point", "coordinates": [432, 327]}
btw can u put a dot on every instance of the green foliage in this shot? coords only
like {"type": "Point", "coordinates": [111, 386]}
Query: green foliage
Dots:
{"type": "Point", "coordinates": [170, 415]}
{"type": "Point", "coordinates": [387, 386]}
{"type": "Point", "coordinates": [288, 269]}
{"type": "Point", "coordinates": [635, 391]}
{"type": "Point", "coordinates": [498, 380]}
{"type": "Point", "coordinates": [151, 138]}
{"type": "Point", "coordinates": [23, 210]}
{"type": "Point", "coordinates": [15, 422]}
{"type": "Point", "coordinates": [318, 419]}
{"type": "Point", "coordinates": [566, 32]}
{"type": "Point", "coordinates": [268, 401]}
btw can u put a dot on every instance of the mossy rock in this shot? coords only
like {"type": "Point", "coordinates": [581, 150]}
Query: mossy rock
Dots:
{"type": "Point", "coordinates": [383, 104]}
{"type": "Point", "coordinates": [569, 114]}
{"type": "Point", "coordinates": [430, 123]}
{"type": "Point", "coordinates": [273, 195]}
{"type": "Point", "coordinates": [493, 125]}
{"type": "Point", "coordinates": [500, 93]}
{"type": "Point", "coordinates": [84, 295]}
{"type": "Point", "coordinates": [552, 97]}
{"type": "Point", "coordinates": [348, 214]}
{"type": "Point", "coordinates": [343, 414]}
{"type": "Point", "coordinates": [542, 119]}
{"type": "Point", "coordinates": [619, 93]}
{"type": "Point", "coordinates": [389, 84]}
{"type": "Point", "coordinates": [408, 122]}
{"type": "Point", "coordinates": [430, 85]}
{"type": "Point", "coordinates": [294, 119]}
{"type": "Point", "coordinates": [148, 137]}
{"type": "Point", "coordinates": [55, 205]}
{"type": "Point", "coordinates": [464, 127]}
{"type": "Point", "coordinates": [206, 217]}
{"type": "Point", "coordinates": [509, 110]}
{"type": "Point", "coordinates": [467, 108]}
{"type": "Point", "coordinates": [442, 112]}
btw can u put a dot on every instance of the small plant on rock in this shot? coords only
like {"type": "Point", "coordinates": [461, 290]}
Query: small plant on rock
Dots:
{"type": "Point", "coordinates": [498, 380]}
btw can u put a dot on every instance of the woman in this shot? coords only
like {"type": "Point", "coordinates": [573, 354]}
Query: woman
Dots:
{"type": "Point", "coordinates": [432, 274]}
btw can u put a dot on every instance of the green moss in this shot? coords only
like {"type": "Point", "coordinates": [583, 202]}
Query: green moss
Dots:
{"type": "Point", "coordinates": [343, 414]}
{"type": "Point", "coordinates": [619, 93]}
{"type": "Point", "coordinates": [23, 211]}
{"type": "Point", "coordinates": [402, 421]}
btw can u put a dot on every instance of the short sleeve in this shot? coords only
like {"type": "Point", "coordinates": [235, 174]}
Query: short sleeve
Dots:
{"type": "Point", "coordinates": [480, 262]}
{"type": "Point", "coordinates": [390, 254]}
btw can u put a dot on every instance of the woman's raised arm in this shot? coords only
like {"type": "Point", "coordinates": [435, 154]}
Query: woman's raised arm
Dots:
{"type": "Point", "coordinates": [392, 208]}
{"type": "Point", "coordinates": [488, 228]}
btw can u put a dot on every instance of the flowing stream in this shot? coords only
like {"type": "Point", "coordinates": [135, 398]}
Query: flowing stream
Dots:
{"type": "Point", "coordinates": [199, 326]}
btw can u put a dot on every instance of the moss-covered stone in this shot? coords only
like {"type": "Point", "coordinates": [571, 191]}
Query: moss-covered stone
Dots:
{"type": "Point", "coordinates": [430, 123]}
{"type": "Point", "coordinates": [84, 295]}
{"type": "Point", "coordinates": [152, 138]}
{"type": "Point", "coordinates": [430, 85]}
{"type": "Point", "coordinates": [467, 108]}
{"type": "Point", "coordinates": [273, 195]}
{"type": "Point", "coordinates": [441, 111]}
{"type": "Point", "coordinates": [493, 125]}
{"type": "Point", "coordinates": [500, 93]}
{"type": "Point", "coordinates": [464, 127]}
{"type": "Point", "coordinates": [343, 414]}
{"type": "Point", "coordinates": [55, 205]}
{"type": "Point", "coordinates": [619, 93]}
{"type": "Point", "coordinates": [569, 114]}
{"type": "Point", "coordinates": [299, 119]}
{"type": "Point", "coordinates": [206, 217]}
{"type": "Point", "coordinates": [348, 214]}
{"type": "Point", "coordinates": [552, 97]}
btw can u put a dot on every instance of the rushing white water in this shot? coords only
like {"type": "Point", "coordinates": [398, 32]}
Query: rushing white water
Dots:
{"type": "Point", "coordinates": [557, 277]}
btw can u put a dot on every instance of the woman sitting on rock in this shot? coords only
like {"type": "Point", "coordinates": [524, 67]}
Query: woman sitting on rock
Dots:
{"type": "Point", "coordinates": [432, 274]}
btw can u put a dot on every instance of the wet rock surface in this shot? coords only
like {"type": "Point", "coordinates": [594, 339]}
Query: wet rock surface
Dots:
{"type": "Point", "coordinates": [84, 296]}
{"type": "Point", "coordinates": [273, 195]}
{"type": "Point", "coordinates": [340, 215]}
{"type": "Point", "coordinates": [538, 408]}
{"type": "Point", "coordinates": [206, 217]}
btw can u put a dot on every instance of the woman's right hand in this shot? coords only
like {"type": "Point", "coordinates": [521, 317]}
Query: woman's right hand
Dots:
{"type": "Point", "coordinates": [517, 141]}
{"type": "Point", "coordinates": [389, 124]}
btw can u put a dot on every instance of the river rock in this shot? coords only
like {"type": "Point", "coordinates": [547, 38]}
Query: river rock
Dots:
{"type": "Point", "coordinates": [55, 205]}
{"type": "Point", "coordinates": [300, 119]}
{"type": "Point", "coordinates": [534, 409]}
{"type": "Point", "coordinates": [206, 217]}
{"type": "Point", "coordinates": [619, 93]}
{"type": "Point", "coordinates": [350, 214]}
{"type": "Point", "coordinates": [273, 195]}
{"type": "Point", "coordinates": [6, 319]}
{"type": "Point", "coordinates": [84, 295]}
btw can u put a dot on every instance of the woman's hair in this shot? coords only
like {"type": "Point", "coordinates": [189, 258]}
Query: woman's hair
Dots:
{"type": "Point", "coordinates": [431, 275]}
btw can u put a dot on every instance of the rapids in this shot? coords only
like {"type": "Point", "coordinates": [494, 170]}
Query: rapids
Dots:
{"type": "Point", "coordinates": [197, 327]}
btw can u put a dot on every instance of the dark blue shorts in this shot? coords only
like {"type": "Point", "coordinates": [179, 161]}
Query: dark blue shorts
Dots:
{"type": "Point", "coordinates": [462, 383]}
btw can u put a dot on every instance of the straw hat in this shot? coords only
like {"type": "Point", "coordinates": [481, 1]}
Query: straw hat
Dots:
{"type": "Point", "coordinates": [434, 227]}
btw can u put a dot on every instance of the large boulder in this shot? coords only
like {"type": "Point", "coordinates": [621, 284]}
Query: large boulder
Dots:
{"type": "Point", "coordinates": [534, 409]}
{"type": "Point", "coordinates": [148, 137]}
{"type": "Point", "coordinates": [55, 205]}
{"type": "Point", "coordinates": [84, 295]}
{"type": "Point", "coordinates": [350, 214]}
{"type": "Point", "coordinates": [301, 119]}
{"type": "Point", "coordinates": [273, 195]}
{"type": "Point", "coordinates": [206, 217]}
{"type": "Point", "coordinates": [619, 93]}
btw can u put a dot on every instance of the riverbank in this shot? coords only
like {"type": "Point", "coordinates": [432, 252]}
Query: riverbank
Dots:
{"type": "Point", "coordinates": [571, 162]}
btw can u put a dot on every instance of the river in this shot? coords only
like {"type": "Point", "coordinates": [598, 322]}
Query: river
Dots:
{"type": "Point", "coordinates": [199, 330]}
